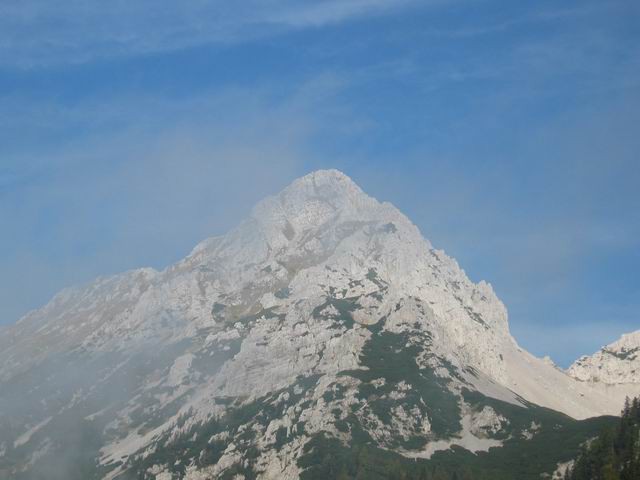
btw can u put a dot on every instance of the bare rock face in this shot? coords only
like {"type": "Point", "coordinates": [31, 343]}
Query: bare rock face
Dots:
{"type": "Point", "coordinates": [615, 364]}
{"type": "Point", "coordinates": [323, 321]}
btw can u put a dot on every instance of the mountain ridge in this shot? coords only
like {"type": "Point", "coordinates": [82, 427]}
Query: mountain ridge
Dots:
{"type": "Point", "coordinates": [616, 363]}
{"type": "Point", "coordinates": [301, 299]}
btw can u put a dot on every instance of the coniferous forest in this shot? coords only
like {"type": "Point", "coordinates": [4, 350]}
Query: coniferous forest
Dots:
{"type": "Point", "coordinates": [615, 454]}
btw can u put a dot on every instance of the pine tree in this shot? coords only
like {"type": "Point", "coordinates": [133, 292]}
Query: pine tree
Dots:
{"type": "Point", "coordinates": [615, 454]}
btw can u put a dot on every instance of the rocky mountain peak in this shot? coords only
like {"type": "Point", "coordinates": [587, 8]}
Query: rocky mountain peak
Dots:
{"type": "Point", "coordinates": [319, 216]}
{"type": "Point", "coordinates": [616, 363]}
{"type": "Point", "coordinates": [311, 207]}
{"type": "Point", "coordinates": [628, 342]}
{"type": "Point", "coordinates": [312, 202]}
{"type": "Point", "coordinates": [329, 185]}
{"type": "Point", "coordinates": [324, 314]}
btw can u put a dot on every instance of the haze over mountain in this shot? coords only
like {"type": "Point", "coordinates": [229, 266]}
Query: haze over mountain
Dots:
{"type": "Point", "coordinates": [506, 131]}
{"type": "Point", "coordinates": [325, 322]}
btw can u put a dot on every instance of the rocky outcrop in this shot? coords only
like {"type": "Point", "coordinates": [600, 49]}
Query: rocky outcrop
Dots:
{"type": "Point", "coordinates": [617, 363]}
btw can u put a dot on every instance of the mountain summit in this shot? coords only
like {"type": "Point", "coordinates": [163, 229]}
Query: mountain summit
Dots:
{"type": "Point", "coordinates": [324, 326]}
{"type": "Point", "coordinates": [617, 363]}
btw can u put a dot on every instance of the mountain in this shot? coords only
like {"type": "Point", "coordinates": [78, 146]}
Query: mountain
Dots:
{"type": "Point", "coordinates": [615, 364]}
{"type": "Point", "coordinates": [324, 337]}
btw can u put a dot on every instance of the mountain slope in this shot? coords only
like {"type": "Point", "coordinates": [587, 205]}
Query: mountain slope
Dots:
{"type": "Point", "coordinates": [325, 317]}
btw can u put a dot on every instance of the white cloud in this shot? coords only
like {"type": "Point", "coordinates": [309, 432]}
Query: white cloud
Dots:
{"type": "Point", "coordinates": [332, 11]}
{"type": "Point", "coordinates": [41, 32]}
{"type": "Point", "coordinates": [175, 172]}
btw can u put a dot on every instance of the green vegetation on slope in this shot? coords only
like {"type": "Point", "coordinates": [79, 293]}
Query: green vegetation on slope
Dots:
{"type": "Point", "coordinates": [392, 357]}
{"type": "Point", "coordinates": [615, 454]}
{"type": "Point", "coordinates": [554, 437]}
{"type": "Point", "coordinates": [557, 440]}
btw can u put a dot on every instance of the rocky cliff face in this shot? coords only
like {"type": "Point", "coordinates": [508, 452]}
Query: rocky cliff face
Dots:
{"type": "Point", "coordinates": [615, 364]}
{"type": "Point", "coordinates": [325, 317]}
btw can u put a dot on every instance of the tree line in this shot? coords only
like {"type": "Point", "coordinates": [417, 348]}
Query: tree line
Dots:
{"type": "Point", "coordinates": [615, 454]}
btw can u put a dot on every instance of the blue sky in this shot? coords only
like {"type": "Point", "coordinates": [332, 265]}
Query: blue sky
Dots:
{"type": "Point", "coordinates": [508, 131]}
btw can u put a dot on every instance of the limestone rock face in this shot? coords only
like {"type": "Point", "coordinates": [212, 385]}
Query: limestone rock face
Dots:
{"type": "Point", "coordinates": [324, 317]}
{"type": "Point", "coordinates": [615, 364]}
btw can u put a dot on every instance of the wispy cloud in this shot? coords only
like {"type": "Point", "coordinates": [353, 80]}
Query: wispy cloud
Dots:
{"type": "Point", "coordinates": [38, 32]}
{"type": "Point", "coordinates": [333, 11]}
{"type": "Point", "coordinates": [174, 172]}
{"type": "Point", "coordinates": [534, 17]}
